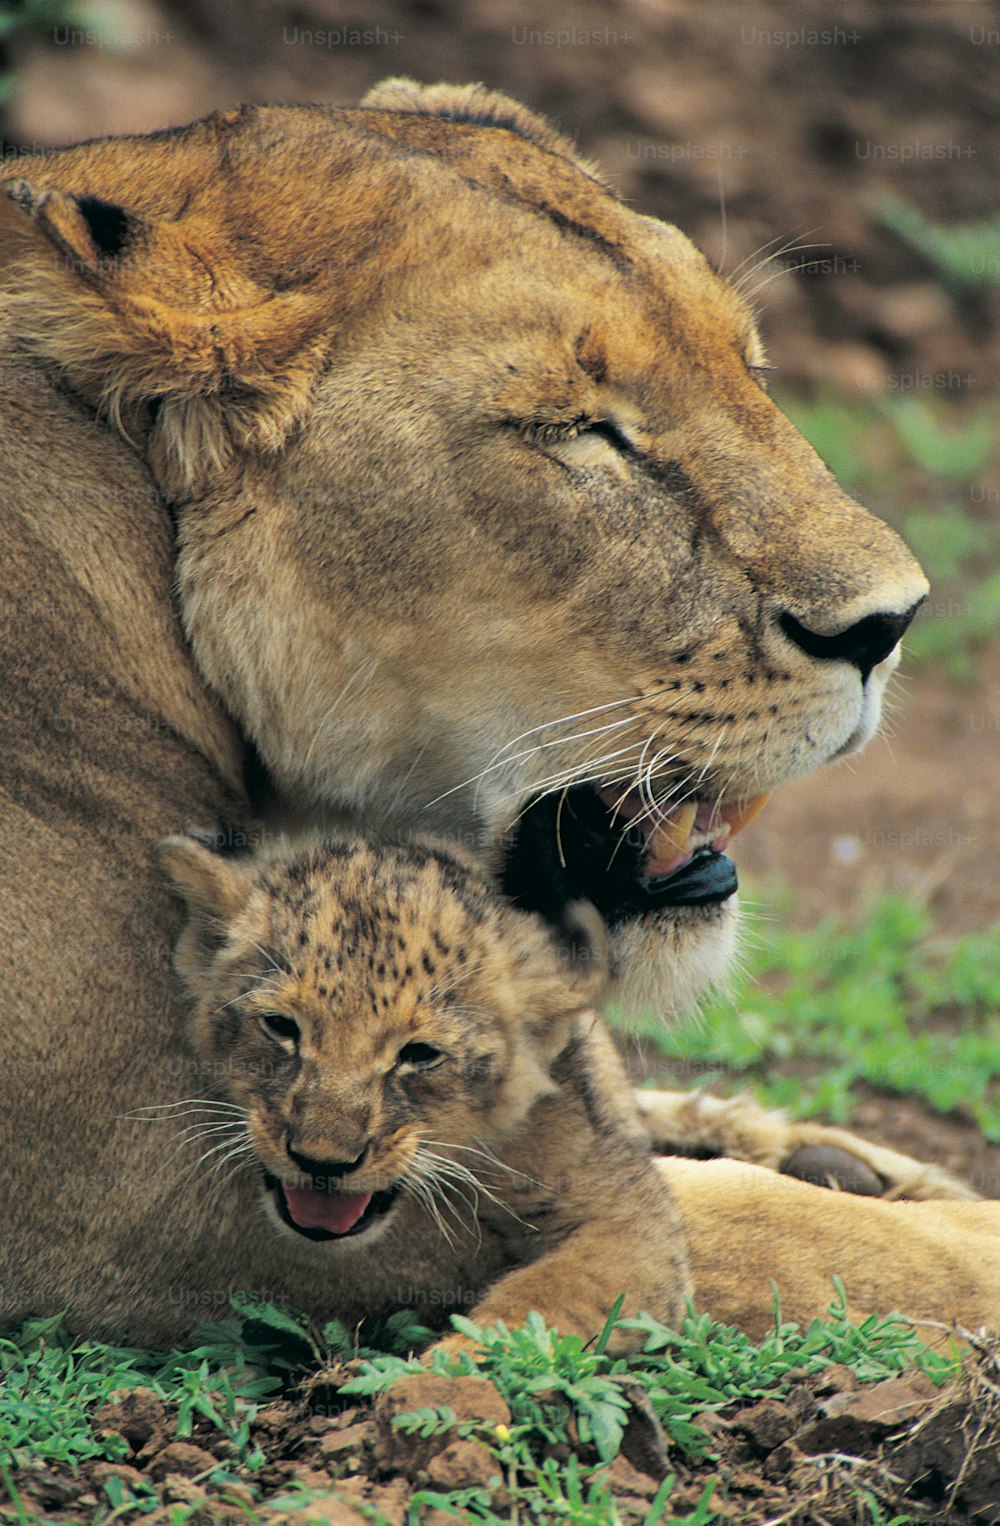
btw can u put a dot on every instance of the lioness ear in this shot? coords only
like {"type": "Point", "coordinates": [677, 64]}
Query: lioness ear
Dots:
{"type": "Point", "coordinates": [479, 107]}
{"type": "Point", "coordinates": [132, 309]}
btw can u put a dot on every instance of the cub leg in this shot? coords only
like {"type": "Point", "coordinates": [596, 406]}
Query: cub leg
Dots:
{"type": "Point", "coordinates": [695, 1124]}
{"type": "Point", "coordinates": [630, 1241]}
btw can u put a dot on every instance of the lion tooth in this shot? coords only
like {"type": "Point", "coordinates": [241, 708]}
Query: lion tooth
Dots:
{"type": "Point", "coordinates": [671, 835]}
{"type": "Point", "coordinates": [742, 812]}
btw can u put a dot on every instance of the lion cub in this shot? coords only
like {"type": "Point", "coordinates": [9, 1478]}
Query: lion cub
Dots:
{"type": "Point", "coordinates": [426, 1097]}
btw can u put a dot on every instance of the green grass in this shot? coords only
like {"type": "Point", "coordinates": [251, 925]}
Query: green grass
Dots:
{"type": "Point", "coordinates": [564, 1393]}
{"type": "Point", "coordinates": [881, 1003]}
{"type": "Point", "coordinates": [562, 1390]}
{"type": "Point", "coordinates": [964, 255]}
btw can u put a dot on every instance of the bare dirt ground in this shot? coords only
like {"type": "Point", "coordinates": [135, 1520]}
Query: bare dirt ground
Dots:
{"type": "Point", "coordinates": [915, 813]}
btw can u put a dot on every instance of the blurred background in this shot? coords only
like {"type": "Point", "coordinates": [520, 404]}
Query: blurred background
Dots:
{"type": "Point", "coordinates": [849, 156]}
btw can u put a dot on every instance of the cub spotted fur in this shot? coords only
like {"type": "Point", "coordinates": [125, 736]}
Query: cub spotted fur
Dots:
{"type": "Point", "coordinates": [411, 1077]}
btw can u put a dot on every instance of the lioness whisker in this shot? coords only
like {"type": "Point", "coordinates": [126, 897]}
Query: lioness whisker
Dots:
{"type": "Point", "coordinates": [499, 760]}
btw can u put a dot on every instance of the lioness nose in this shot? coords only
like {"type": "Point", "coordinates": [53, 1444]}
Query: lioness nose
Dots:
{"type": "Point", "coordinates": [864, 644]}
{"type": "Point", "coordinates": [320, 1168]}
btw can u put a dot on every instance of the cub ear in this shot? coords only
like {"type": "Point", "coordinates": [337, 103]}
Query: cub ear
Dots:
{"type": "Point", "coordinates": [132, 308]}
{"type": "Point", "coordinates": [214, 885]}
{"type": "Point", "coordinates": [585, 950]}
{"type": "Point", "coordinates": [216, 889]}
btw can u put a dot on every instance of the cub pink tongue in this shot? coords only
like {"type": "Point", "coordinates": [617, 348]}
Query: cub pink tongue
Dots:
{"type": "Point", "coordinates": [336, 1212]}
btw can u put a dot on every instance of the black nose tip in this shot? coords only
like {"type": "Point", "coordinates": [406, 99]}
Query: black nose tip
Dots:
{"type": "Point", "coordinates": [326, 1168]}
{"type": "Point", "coordinates": [865, 644]}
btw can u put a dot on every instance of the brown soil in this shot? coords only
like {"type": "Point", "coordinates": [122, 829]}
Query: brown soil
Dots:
{"type": "Point", "coordinates": [805, 1457]}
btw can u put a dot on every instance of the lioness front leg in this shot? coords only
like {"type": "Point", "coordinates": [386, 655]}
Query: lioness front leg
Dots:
{"type": "Point", "coordinates": [697, 1124]}
{"type": "Point", "coordinates": [748, 1231]}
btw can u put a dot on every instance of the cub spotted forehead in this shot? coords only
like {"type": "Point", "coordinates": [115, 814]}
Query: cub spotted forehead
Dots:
{"type": "Point", "coordinates": [370, 921]}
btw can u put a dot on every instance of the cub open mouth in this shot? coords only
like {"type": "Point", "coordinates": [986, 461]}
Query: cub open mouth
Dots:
{"type": "Point", "coordinates": [597, 842]}
{"type": "Point", "coordinates": [324, 1213]}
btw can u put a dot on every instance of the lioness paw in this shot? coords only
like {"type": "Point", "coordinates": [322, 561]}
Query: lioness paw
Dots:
{"type": "Point", "coordinates": [696, 1124]}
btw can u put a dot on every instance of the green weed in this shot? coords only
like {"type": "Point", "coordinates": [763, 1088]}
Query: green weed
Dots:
{"type": "Point", "coordinates": [563, 1391]}
{"type": "Point", "coordinates": [818, 1013]}
{"type": "Point", "coordinates": [52, 1383]}
{"type": "Point", "coordinates": [966, 255]}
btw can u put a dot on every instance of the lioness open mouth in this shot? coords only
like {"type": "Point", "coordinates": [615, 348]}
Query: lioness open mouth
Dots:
{"type": "Point", "coordinates": [599, 843]}
{"type": "Point", "coordinates": [320, 1211]}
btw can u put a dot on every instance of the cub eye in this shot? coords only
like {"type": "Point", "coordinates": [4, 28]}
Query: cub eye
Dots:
{"type": "Point", "coordinates": [420, 1056]}
{"type": "Point", "coordinates": [277, 1026]}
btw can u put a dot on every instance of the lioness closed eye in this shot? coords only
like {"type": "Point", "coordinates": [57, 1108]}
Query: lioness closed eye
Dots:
{"type": "Point", "coordinates": [414, 1075]}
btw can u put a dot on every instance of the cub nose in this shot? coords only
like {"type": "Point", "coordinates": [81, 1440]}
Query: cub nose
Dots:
{"type": "Point", "coordinates": [865, 644]}
{"type": "Point", "coordinates": [326, 1168]}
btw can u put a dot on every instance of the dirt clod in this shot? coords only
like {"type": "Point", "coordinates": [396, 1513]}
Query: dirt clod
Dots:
{"type": "Point", "coordinates": [135, 1413]}
{"type": "Point", "coordinates": [462, 1465]}
{"type": "Point", "coordinates": [183, 1458]}
{"type": "Point", "coordinates": [472, 1399]}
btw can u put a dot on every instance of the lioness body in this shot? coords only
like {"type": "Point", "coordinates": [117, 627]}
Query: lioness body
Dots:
{"type": "Point", "coordinates": [472, 495]}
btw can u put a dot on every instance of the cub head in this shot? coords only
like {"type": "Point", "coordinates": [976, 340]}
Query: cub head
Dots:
{"type": "Point", "coordinates": [375, 1019]}
{"type": "Point", "coordinates": [487, 525]}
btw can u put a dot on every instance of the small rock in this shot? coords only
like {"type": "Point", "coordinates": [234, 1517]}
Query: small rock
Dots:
{"type": "Point", "coordinates": [102, 1471]}
{"type": "Point", "coordinates": [273, 1418]}
{"type": "Point", "coordinates": [463, 1465]}
{"type": "Point", "coordinates": [625, 1479]}
{"type": "Point", "coordinates": [643, 1442]}
{"type": "Point", "coordinates": [183, 1458]}
{"type": "Point", "coordinates": [835, 1379]}
{"type": "Point", "coordinates": [768, 1423]}
{"type": "Point", "coordinates": [852, 1421]}
{"type": "Point", "coordinates": [336, 1443]}
{"type": "Point", "coordinates": [329, 1510]}
{"type": "Point", "coordinates": [470, 1398]}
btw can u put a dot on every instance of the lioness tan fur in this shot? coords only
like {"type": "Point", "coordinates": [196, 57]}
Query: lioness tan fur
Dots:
{"type": "Point", "coordinates": [411, 1073]}
{"type": "Point", "coordinates": [390, 442]}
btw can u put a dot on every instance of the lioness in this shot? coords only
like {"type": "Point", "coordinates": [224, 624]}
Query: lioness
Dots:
{"type": "Point", "coordinates": [382, 464]}
{"type": "Point", "coordinates": [410, 1075]}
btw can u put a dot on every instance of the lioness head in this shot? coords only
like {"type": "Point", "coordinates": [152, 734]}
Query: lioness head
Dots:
{"type": "Point", "coordinates": [373, 1020]}
{"type": "Point", "coordinates": [486, 522]}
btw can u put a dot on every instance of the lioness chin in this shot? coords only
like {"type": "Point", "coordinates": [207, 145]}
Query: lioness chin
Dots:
{"type": "Point", "coordinates": [389, 449]}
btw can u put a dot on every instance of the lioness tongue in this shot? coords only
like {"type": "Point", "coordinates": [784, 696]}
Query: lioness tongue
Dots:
{"type": "Point", "coordinates": [336, 1212]}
